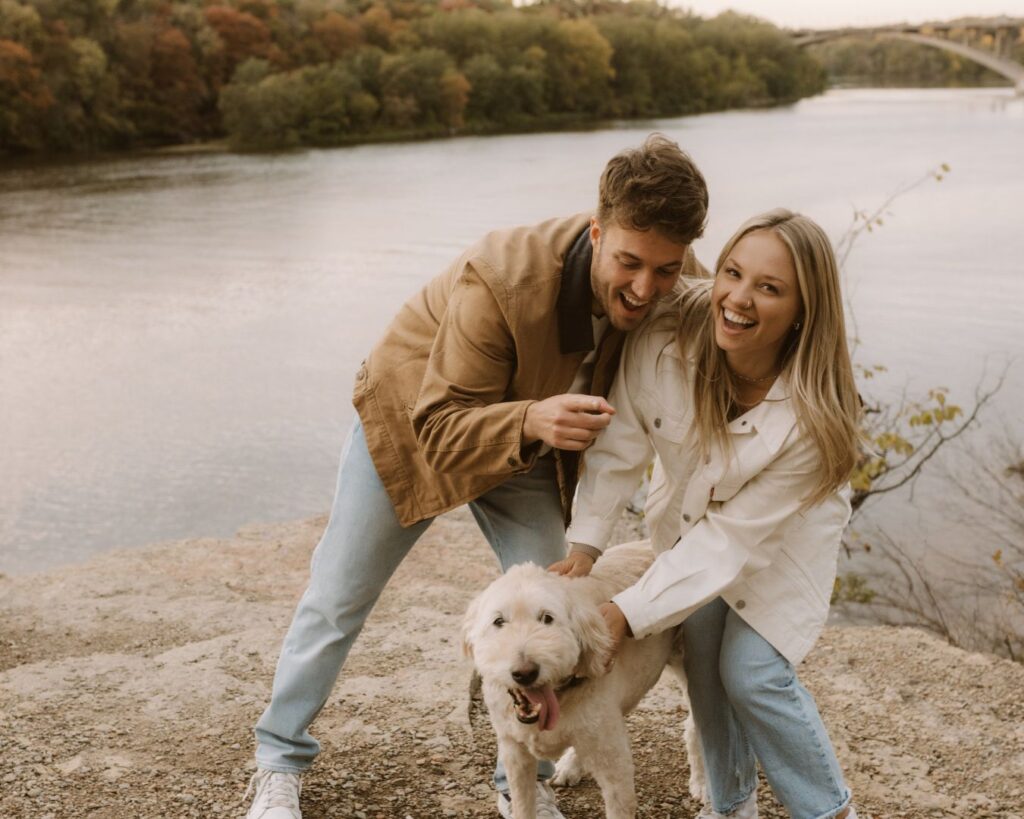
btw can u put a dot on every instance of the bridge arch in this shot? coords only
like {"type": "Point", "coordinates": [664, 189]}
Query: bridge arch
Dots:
{"type": "Point", "coordinates": [1010, 69]}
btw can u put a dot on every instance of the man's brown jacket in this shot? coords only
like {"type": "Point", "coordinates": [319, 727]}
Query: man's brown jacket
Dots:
{"type": "Point", "coordinates": [442, 396]}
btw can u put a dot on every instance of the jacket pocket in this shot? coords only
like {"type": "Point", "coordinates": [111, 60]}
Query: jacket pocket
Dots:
{"type": "Point", "coordinates": [801, 576]}
{"type": "Point", "coordinates": [672, 429]}
{"type": "Point", "coordinates": [725, 491]}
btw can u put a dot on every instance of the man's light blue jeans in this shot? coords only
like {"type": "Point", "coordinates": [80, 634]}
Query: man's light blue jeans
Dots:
{"type": "Point", "coordinates": [358, 552]}
{"type": "Point", "coordinates": [748, 706]}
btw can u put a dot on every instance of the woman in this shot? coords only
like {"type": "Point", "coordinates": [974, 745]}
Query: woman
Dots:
{"type": "Point", "coordinates": [745, 392]}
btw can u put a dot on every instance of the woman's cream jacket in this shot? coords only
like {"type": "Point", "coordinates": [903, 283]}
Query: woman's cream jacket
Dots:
{"type": "Point", "coordinates": [729, 526]}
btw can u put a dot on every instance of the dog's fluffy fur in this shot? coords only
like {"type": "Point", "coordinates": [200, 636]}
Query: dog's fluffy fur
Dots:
{"type": "Point", "coordinates": [541, 647]}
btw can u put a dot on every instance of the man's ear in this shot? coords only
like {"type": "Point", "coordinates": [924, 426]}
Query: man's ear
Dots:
{"type": "Point", "coordinates": [595, 231]}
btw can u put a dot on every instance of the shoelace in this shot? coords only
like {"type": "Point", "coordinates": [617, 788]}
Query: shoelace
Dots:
{"type": "Point", "coordinates": [547, 808]}
{"type": "Point", "coordinates": [275, 790]}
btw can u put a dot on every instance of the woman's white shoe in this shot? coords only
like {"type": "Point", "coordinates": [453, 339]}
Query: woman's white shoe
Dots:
{"type": "Point", "coordinates": [747, 810]}
{"type": "Point", "coordinates": [546, 805]}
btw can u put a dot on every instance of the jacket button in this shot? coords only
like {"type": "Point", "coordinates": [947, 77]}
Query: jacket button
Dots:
{"type": "Point", "coordinates": [512, 461]}
{"type": "Point", "coordinates": [741, 604]}
{"type": "Point", "coordinates": [657, 423]}
{"type": "Point", "coordinates": [686, 517]}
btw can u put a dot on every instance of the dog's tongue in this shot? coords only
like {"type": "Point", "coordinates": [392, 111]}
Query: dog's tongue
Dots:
{"type": "Point", "coordinates": [545, 697]}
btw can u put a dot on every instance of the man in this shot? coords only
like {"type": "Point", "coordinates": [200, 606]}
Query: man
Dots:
{"type": "Point", "coordinates": [484, 390]}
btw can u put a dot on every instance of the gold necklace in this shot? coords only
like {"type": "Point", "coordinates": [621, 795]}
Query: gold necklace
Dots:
{"type": "Point", "coordinates": [749, 380]}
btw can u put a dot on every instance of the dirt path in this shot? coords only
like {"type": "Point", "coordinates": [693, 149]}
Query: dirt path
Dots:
{"type": "Point", "coordinates": [129, 687]}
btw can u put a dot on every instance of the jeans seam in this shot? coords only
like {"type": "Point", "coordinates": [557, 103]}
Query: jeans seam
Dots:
{"type": "Point", "coordinates": [739, 802]}
{"type": "Point", "coordinates": [837, 787]}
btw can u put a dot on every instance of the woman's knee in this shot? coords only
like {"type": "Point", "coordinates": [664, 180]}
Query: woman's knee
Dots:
{"type": "Point", "coordinates": [754, 679]}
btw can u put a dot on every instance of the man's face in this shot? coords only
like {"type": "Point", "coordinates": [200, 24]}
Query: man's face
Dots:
{"type": "Point", "coordinates": [630, 271]}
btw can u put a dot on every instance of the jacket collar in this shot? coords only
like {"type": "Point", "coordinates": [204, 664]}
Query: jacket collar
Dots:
{"type": "Point", "coordinates": [575, 298]}
{"type": "Point", "coordinates": [772, 419]}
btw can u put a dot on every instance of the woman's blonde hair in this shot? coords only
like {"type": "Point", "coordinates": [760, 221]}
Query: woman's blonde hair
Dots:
{"type": "Point", "coordinates": [815, 358]}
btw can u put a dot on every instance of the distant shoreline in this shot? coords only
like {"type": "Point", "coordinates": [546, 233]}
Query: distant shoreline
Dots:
{"type": "Point", "coordinates": [223, 145]}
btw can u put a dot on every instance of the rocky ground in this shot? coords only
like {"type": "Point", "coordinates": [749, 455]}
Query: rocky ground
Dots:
{"type": "Point", "coordinates": [129, 687]}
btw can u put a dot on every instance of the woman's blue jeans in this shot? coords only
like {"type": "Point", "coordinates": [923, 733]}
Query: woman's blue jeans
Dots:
{"type": "Point", "coordinates": [358, 552]}
{"type": "Point", "coordinates": [749, 706]}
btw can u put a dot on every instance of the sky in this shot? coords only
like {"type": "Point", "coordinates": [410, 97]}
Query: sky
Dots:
{"type": "Point", "coordinates": [839, 13]}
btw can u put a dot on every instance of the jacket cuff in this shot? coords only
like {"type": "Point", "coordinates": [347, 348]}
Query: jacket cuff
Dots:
{"type": "Point", "coordinates": [634, 607]}
{"type": "Point", "coordinates": [583, 548]}
{"type": "Point", "coordinates": [522, 457]}
{"type": "Point", "coordinates": [592, 532]}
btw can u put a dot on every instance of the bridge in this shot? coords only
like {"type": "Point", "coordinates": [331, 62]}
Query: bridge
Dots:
{"type": "Point", "coordinates": [965, 37]}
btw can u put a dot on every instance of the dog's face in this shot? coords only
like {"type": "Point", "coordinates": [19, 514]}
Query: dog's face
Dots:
{"type": "Point", "coordinates": [530, 631]}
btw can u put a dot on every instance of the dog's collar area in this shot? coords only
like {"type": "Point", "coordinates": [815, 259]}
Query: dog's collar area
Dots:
{"type": "Point", "coordinates": [572, 682]}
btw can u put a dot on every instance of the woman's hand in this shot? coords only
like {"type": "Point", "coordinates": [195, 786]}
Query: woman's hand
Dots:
{"type": "Point", "coordinates": [577, 564]}
{"type": "Point", "coordinates": [618, 627]}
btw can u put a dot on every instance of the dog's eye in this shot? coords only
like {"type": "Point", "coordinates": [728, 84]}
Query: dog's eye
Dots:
{"type": "Point", "coordinates": [547, 618]}
{"type": "Point", "coordinates": [498, 622]}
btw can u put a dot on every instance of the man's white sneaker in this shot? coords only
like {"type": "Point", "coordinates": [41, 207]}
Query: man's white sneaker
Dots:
{"type": "Point", "coordinates": [276, 795]}
{"type": "Point", "coordinates": [547, 808]}
{"type": "Point", "coordinates": [748, 810]}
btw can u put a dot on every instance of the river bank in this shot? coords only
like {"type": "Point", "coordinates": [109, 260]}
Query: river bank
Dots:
{"type": "Point", "coordinates": [129, 686]}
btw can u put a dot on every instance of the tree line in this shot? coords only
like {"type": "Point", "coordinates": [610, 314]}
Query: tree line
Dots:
{"type": "Point", "coordinates": [88, 75]}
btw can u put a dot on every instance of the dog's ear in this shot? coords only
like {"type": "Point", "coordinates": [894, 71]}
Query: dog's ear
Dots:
{"type": "Point", "coordinates": [595, 640]}
{"type": "Point", "coordinates": [468, 623]}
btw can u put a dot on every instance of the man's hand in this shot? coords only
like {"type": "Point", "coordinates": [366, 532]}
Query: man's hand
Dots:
{"type": "Point", "coordinates": [577, 564]}
{"type": "Point", "coordinates": [618, 627]}
{"type": "Point", "coordinates": [567, 421]}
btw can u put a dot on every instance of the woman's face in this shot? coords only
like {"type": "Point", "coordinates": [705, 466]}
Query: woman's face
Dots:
{"type": "Point", "coordinates": [755, 301]}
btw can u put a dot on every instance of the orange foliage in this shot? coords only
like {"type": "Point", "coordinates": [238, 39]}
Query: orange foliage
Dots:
{"type": "Point", "coordinates": [379, 26]}
{"type": "Point", "coordinates": [455, 90]}
{"type": "Point", "coordinates": [337, 33]}
{"type": "Point", "coordinates": [264, 9]}
{"type": "Point", "coordinates": [173, 65]}
{"type": "Point", "coordinates": [20, 77]}
{"type": "Point", "coordinates": [243, 34]}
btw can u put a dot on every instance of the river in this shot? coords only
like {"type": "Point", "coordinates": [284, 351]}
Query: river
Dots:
{"type": "Point", "coordinates": [179, 334]}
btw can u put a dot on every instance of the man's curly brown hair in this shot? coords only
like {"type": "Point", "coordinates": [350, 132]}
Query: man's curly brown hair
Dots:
{"type": "Point", "coordinates": [654, 186]}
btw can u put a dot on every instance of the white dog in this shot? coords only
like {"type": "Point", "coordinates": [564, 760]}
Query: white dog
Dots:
{"type": "Point", "coordinates": [542, 649]}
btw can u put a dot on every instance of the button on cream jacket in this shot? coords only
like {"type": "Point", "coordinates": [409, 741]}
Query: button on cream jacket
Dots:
{"type": "Point", "coordinates": [728, 525]}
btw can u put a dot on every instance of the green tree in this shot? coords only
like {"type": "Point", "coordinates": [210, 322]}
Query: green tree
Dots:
{"type": "Point", "coordinates": [412, 93]}
{"type": "Point", "coordinates": [21, 24]}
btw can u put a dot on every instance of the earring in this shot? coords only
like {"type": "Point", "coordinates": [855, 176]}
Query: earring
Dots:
{"type": "Point", "coordinates": [796, 325]}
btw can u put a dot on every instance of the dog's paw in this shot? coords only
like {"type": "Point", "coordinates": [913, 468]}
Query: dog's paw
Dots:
{"type": "Point", "coordinates": [568, 770]}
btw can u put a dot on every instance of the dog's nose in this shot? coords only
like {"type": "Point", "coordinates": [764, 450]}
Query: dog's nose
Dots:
{"type": "Point", "coordinates": [526, 674]}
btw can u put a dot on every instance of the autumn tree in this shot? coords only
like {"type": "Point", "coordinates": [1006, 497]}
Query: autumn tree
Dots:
{"type": "Point", "coordinates": [241, 35]}
{"type": "Point", "coordinates": [120, 72]}
{"type": "Point", "coordinates": [24, 99]}
{"type": "Point", "coordinates": [337, 34]}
